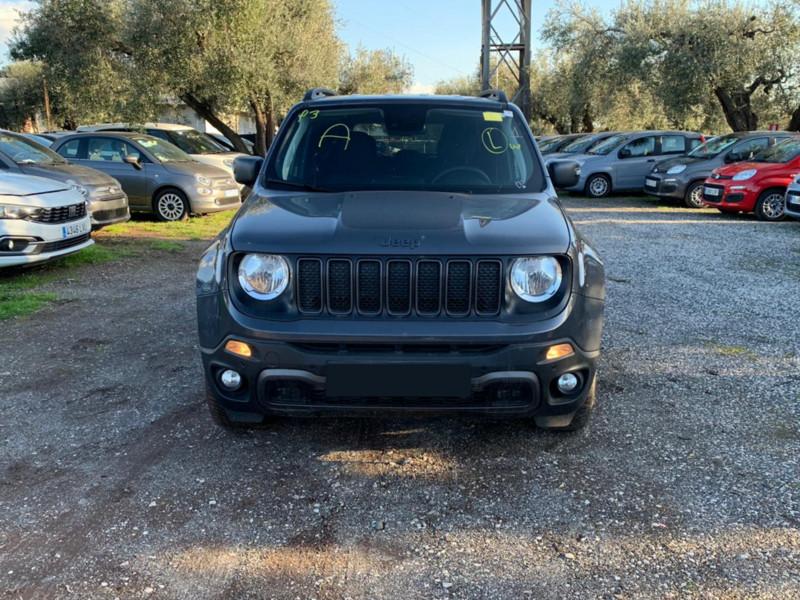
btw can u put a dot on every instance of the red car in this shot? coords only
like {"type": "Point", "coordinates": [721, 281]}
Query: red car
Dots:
{"type": "Point", "coordinates": [758, 185]}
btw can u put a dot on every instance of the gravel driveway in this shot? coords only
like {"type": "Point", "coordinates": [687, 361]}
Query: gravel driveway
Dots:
{"type": "Point", "coordinates": [115, 484]}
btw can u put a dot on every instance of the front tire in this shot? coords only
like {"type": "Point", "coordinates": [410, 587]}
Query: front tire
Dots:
{"type": "Point", "coordinates": [770, 205]}
{"type": "Point", "coordinates": [598, 186]}
{"type": "Point", "coordinates": [694, 195]}
{"type": "Point", "coordinates": [171, 205]}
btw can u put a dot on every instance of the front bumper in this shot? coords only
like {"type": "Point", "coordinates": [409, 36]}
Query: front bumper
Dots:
{"type": "Point", "coordinates": [109, 210]}
{"type": "Point", "coordinates": [726, 195]}
{"type": "Point", "coordinates": [42, 241]}
{"type": "Point", "coordinates": [664, 186]}
{"type": "Point", "coordinates": [792, 205]}
{"type": "Point", "coordinates": [219, 198]}
{"type": "Point", "coordinates": [508, 374]}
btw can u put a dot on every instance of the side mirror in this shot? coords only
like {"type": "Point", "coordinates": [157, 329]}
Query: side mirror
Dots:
{"type": "Point", "coordinates": [732, 156]}
{"type": "Point", "coordinates": [625, 153]}
{"type": "Point", "coordinates": [246, 169]}
{"type": "Point", "coordinates": [564, 174]}
{"type": "Point", "coordinates": [133, 161]}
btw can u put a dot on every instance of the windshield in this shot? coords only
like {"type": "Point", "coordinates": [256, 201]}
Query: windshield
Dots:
{"type": "Point", "coordinates": [780, 153]}
{"type": "Point", "coordinates": [608, 144]}
{"type": "Point", "coordinates": [713, 147]}
{"type": "Point", "coordinates": [583, 144]}
{"type": "Point", "coordinates": [549, 145]}
{"type": "Point", "coordinates": [163, 151]}
{"type": "Point", "coordinates": [406, 147]}
{"type": "Point", "coordinates": [27, 152]}
{"type": "Point", "coordinates": [192, 141]}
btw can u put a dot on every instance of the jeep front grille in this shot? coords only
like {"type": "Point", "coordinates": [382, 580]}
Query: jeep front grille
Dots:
{"type": "Point", "coordinates": [457, 287]}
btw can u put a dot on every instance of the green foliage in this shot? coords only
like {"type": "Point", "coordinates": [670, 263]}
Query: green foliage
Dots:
{"type": "Point", "coordinates": [375, 72]}
{"type": "Point", "coordinates": [21, 95]}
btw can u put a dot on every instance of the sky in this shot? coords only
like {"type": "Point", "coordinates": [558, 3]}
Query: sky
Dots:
{"type": "Point", "coordinates": [441, 38]}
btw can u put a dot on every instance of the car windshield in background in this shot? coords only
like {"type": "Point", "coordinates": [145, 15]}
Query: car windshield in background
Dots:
{"type": "Point", "coordinates": [780, 153]}
{"type": "Point", "coordinates": [547, 145]}
{"type": "Point", "coordinates": [608, 144]}
{"type": "Point", "coordinates": [195, 142]}
{"type": "Point", "coordinates": [581, 145]}
{"type": "Point", "coordinates": [26, 152]}
{"type": "Point", "coordinates": [713, 147]}
{"type": "Point", "coordinates": [163, 151]}
{"type": "Point", "coordinates": [406, 147]}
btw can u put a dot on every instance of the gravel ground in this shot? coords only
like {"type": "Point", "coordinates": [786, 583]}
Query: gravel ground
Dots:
{"type": "Point", "coordinates": [115, 484]}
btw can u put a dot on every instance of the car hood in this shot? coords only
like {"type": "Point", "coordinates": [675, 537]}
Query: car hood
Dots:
{"type": "Point", "coordinates": [761, 167]}
{"type": "Point", "coordinates": [81, 175]}
{"type": "Point", "coordinates": [689, 161]}
{"type": "Point", "coordinates": [16, 185]}
{"type": "Point", "coordinates": [193, 167]}
{"type": "Point", "coordinates": [370, 222]}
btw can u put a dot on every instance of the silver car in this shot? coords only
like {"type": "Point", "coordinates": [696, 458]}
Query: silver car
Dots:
{"type": "Point", "coordinates": [792, 204]}
{"type": "Point", "coordinates": [623, 161]}
{"type": "Point", "coordinates": [158, 177]}
{"type": "Point", "coordinates": [107, 202]}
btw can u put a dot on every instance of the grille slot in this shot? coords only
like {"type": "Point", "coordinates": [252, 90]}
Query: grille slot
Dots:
{"type": "Point", "coordinates": [340, 286]}
{"type": "Point", "coordinates": [374, 286]}
{"type": "Point", "coordinates": [61, 214]}
{"type": "Point", "coordinates": [309, 285]}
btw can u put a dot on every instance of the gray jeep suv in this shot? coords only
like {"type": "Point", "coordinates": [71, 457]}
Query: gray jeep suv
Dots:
{"type": "Point", "coordinates": [401, 253]}
{"type": "Point", "coordinates": [682, 178]}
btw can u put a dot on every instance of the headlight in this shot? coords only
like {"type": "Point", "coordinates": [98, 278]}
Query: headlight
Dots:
{"type": "Point", "coordinates": [203, 180]}
{"type": "Point", "coordinates": [746, 174]}
{"type": "Point", "coordinates": [264, 276]}
{"type": "Point", "coordinates": [676, 169]}
{"type": "Point", "coordinates": [74, 185]}
{"type": "Point", "coordinates": [535, 278]}
{"type": "Point", "coordinates": [15, 211]}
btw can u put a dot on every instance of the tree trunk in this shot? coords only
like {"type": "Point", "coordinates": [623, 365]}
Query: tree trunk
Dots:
{"type": "Point", "coordinates": [794, 122]}
{"type": "Point", "coordinates": [588, 122]}
{"type": "Point", "coordinates": [261, 128]}
{"type": "Point", "coordinates": [203, 109]}
{"type": "Point", "coordinates": [737, 109]}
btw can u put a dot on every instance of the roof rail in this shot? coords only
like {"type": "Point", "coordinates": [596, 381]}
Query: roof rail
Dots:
{"type": "Point", "coordinates": [498, 95]}
{"type": "Point", "coordinates": [317, 93]}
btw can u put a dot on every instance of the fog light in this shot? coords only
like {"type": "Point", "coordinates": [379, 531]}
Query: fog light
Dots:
{"type": "Point", "coordinates": [238, 348]}
{"type": "Point", "coordinates": [559, 351]}
{"type": "Point", "coordinates": [567, 383]}
{"type": "Point", "coordinates": [230, 379]}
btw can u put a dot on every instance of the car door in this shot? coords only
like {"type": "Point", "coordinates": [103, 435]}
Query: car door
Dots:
{"type": "Point", "coordinates": [107, 154]}
{"type": "Point", "coordinates": [635, 161]}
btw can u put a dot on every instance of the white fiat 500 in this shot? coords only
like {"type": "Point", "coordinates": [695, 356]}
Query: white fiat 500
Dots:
{"type": "Point", "coordinates": [40, 219]}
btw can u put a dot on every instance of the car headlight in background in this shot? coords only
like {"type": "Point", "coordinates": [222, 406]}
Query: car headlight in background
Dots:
{"type": "Point", "coordinates": [203, 180]}
{"type": "Point", "coordinates": [15, 211]}
{"type": "Point", "coordinates": [263, 276]}
{"type": "Point", "coordinates": [676, 169]}
{"type": "Point", "coordinates": [746, 174]}
{"type": "Point", "coordinates": [536, 278]}
{"type": "Point", "coordinates": [74, 185]}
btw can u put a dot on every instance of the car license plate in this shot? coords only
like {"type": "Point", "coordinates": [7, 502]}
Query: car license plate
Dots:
{"type": "Point", "coordinates": [407, 381]}
{"type": "Point", "coordinates": [710, 191]}
{"type": "Point", "coordinates": [73, 229]}
{"type": "Point", "coordinates": [651, 182]}
{"type": "Point", "coordinates": [231, 193]}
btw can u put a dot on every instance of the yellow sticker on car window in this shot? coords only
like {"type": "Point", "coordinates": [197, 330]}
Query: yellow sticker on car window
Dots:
{"type": "Point", "coordinates": [493, 116]}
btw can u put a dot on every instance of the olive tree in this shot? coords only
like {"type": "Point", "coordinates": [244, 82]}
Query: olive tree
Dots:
{"type": "Point", "coordinates": [375, 72]}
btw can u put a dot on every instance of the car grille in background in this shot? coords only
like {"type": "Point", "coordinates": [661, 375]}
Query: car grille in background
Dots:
{"type": "Point", "coordinates": [61, 214]}
{"type": "Point", "coordinates": [456, 287]}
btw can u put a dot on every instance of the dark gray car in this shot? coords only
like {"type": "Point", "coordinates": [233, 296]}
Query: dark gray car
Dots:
{"type": "Point", "coordinates": [682, 178]}
{"type": "Point", "coordinates": [157, 176]}
{"type": "Point", "coordinates": [107, 202]}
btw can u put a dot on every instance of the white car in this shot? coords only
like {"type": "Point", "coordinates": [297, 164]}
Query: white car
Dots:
{"type": "Point", "coordinates": [200, 146]}
{"type": "Point", "coordinates": [792, 204]}
{"type": "Point", "coordinates": [40, 219]}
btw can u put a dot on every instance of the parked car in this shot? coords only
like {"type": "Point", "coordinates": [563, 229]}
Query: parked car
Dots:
{"type": "Point", "coordinates": [580, 145]}
{"type": "Point", "coordinates": [40, 219]}
{"type": "Point", "coordinates": [158, 177]}
{"type": "Point", "coordinates": [792, 200]}
{"type": "Point", "coordinates": [107, 202]}
{"type": "Point", "coordinates": [200, 146]}
{"type": "Point", "coordinates": [38, 138]}
{"type": "Point", "coordinates": [557, 143]}
{"type": "Point", "coordinates": [372, 270]}
{"type": "Point", "coordinates": [682, 178]}
{"type": "Point", "coordinates": [623, 161]}
{"type": "Point", "coordinates": [758, 185]}
{"type": "Point", "coordinates": [222, 140]}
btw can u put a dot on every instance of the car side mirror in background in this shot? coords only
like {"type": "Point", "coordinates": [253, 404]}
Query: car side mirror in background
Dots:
{"type": "Point", "coordinates": [625, 153]}
{"type": "Point", "coordinates": [133, 161]}
{"type": "Point", "coordinates": [246, 169]}
{"type": "Point", "coordinates": [564, 174]}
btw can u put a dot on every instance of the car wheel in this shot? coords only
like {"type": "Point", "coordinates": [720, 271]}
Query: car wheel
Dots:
{"type": "Point", "coordinates": [694, 195]}
{"type": "Point", "coordinates": [598, 186]}
{"type": "Point", "coordinates": [770, 205]}
{"type": "Point", "coordinates": [171, 205]}
{"type": "Point", "coordinates": [584, 414]}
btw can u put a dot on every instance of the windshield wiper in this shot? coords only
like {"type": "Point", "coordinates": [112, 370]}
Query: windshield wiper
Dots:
{"type": "Point", "coordinates": [298, 186]}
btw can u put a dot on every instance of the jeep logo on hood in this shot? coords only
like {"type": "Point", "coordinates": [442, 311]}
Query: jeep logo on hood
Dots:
{"type": "Point", "coordinates": [393, 242]}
